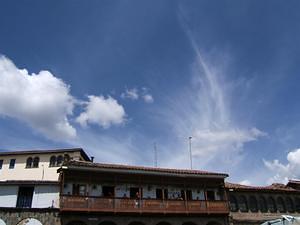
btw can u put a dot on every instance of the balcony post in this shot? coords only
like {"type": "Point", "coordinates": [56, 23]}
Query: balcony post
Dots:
{"type": "Point", "coordinates": [185, 197]}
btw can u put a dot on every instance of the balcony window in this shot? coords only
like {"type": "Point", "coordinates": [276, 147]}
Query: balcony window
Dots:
{"type": "Point", "coordinates": [159, 194]}
{"type": "Point", "coordinates": [12, 163]}
{"type": "Point", "coordinates": [108, 191]}
{"type": "Point", "coordinates": [210, 195]}
{"type": "Point", "coordinates": [189, 195]}
{"type": "Point", "coordinates": [1, 163]}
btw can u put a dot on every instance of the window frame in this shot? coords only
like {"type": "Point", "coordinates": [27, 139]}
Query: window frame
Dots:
{"type": "Point", "coordinates": [12, 165]}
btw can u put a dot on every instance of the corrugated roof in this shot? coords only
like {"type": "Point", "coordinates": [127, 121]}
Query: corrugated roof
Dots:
{"type": "Point", "coordinates": [272, 187]}
{"type": "Point", "coordinates": [45, 151]}
{"type": "Point", "coordinates": [79, 164]}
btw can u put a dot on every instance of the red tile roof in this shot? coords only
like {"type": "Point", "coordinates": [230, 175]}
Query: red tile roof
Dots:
{"type": "Point", "coordinates": [272, 187]}
{"type": "Point", "coordinates": [81, 164]}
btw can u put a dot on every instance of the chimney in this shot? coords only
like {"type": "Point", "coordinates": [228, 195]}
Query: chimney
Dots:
{"type": "Point", "coordinates": [92, 158]}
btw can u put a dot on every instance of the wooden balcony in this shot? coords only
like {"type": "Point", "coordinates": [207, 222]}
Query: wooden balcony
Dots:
{"type": "Point", "coordinates": [145, 206]}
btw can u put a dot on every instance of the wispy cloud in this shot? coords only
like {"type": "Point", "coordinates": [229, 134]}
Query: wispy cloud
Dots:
{"type": "Point", "coordinates": [203, 112]}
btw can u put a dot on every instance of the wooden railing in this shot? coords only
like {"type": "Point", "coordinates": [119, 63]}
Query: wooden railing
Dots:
{"type": "Point", "coordinates": [124, 205]}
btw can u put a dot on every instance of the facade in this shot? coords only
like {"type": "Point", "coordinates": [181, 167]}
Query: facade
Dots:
{"type": "Point", "coordinates": [254, 205]}
{"type": "Point", "coordinates": [29, 183]}
{"type": "Point", "coordinates": [107, 194]}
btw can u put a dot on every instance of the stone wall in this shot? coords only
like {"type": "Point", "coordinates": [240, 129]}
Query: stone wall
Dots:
{"type": "Point", "coordinates": [96, 219]}
{"type": "Point", "coordinates": [13, 216]}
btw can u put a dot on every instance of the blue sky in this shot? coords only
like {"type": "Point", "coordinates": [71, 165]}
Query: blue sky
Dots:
{"type": "Point", "coordinates": [115, 77]}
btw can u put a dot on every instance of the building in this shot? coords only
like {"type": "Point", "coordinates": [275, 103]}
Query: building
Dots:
{"type": "Point", "coordinates": [30, 185]}
{"type": "Point", "coordinates": [251, 205]}
{"type": "Point", "coordinates": [107, 194]}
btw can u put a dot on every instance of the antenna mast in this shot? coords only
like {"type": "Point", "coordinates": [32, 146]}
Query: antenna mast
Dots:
{"type": "Point", "coordinates": [155, 155]}
{"type": "Point", "coordinates": [191, 155]}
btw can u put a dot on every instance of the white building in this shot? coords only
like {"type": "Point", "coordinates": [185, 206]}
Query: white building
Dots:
{"type": "Point", "coordinates": [29, 179]}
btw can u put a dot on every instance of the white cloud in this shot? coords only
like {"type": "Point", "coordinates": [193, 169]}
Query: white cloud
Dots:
{"type": "Point", "coordinates": [245, 182]}
{"type": "Point", "coordinates": [284, 172]}
{"type": "Point", "coordinates": [102, 111]}
{"type": "Point", "coordinates": [135, 93]}
{"type": "Point", "coordinates": [40, 100]}
{"type": "Point", "coordinates": [148, 98]}
{"type": "Point", "coordinates": [131, 94]}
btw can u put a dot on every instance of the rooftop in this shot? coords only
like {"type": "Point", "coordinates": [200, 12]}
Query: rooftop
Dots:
{"type": "Point", "coordinates": [272, 187]}
{"type": "Point", "coordinates": [79, 165]}
{"type": "Point", "coordinates": [45, 151]}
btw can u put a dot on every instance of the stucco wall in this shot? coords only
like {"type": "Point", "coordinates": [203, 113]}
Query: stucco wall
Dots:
{"type": "Point", "coordinates": [20, 172]}
{"type": "Point", "coordinates": [8, 196]}
{"type": "Point", "coordinates": [45, 196]}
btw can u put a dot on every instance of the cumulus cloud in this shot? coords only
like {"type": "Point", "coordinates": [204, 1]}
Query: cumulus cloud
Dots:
{"type": "Point", "coordinates": [130, 94]}
{"type": "Point", "coordinates": [284, 172]}
{"type": "Point", "coordinates": [148, 98]}
{"type": "Point", "coordinates": [41, 100]}
{"type": "Point", "coordinates": [135, 93]}
{"type": "Point", "coordinates": [102, 111]}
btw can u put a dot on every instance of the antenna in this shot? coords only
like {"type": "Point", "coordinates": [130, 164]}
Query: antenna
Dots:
{"type": "Point", "coordinates": [155, 155]}
{"type": "Point", "coordinates": [191, 156]}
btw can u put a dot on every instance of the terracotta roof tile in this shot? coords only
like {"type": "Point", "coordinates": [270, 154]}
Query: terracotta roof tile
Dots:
{"type": "Point", "coordinates": [142, 168]}
{"type": "Point", "coordinates": [272, 187]}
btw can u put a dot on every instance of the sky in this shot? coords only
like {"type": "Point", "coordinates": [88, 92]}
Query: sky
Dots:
{"type": "Point", "coordinates": [123, 78]}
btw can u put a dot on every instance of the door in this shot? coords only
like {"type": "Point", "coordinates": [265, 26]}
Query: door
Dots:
{"type": "Point", "coordinates": [25, 195]}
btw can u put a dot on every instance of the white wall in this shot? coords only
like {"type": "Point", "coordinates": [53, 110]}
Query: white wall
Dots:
{"type": "Point", "coordinates": [20, 172]}
{"type": "Point", "coordinates": [8, 196]}
{"type": "Point", "coordinates": [45, 196]}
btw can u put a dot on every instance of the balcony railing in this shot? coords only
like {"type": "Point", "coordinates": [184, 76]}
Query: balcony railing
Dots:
{"type": "Point", "coordinates": [124, 205]}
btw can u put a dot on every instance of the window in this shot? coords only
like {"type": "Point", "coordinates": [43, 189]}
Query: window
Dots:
{"type": "Point", "coordinates": [59, 160]}
{"type": "Point", "coordinates": [29, 162]}
{"type": "Point", "coordinates": [36, 161]}
{"type": "Point", "coordinates": [12, 163]}
{"type": "Point", "coordinates": [272, 205]}
{"type": "Point", "coordinates": [253, 204]}
{"type": "Point", "coordinates": [243, 204]}
{"type": "Point", "coordinates": [233, 203]}
{"type": "Point", "coordinates": [1, 163]}
{"type": "Point", "coordinates": [25, 195]}
{"type": "Point", "coordinates": [134, 192]}
{"type": "Point", "coordinates": [263, 204]}
{"type": "Point", "coordinates": [52, 161]}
